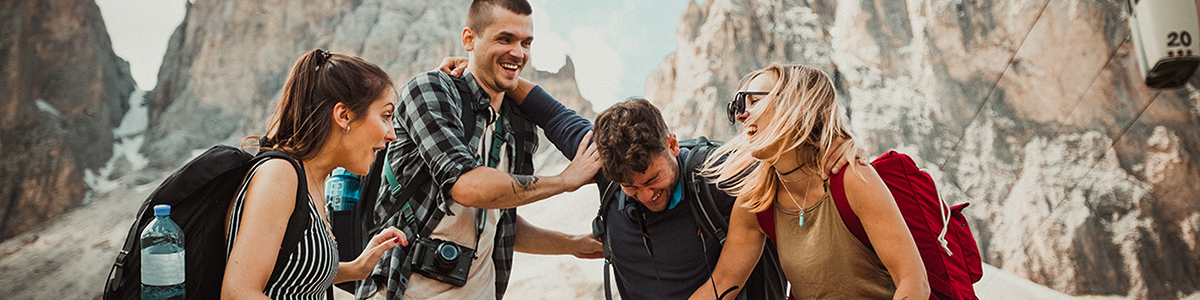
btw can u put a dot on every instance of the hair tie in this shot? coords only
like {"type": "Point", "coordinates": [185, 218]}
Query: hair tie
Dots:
{"type": "Point", "coordinates": [322, 57]}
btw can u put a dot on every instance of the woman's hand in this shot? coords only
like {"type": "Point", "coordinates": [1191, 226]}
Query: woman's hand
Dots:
{"type": "Point", "coordinates": [361, 267]}
{"type": "Point", "coordinates": [384, 241]}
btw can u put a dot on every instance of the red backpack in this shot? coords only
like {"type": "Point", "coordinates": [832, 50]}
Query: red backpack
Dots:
{"type": "Point", "coordinates": [943, 237]}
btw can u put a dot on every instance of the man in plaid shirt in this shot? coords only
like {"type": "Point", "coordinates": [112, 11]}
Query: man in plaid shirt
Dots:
{"type": "Point", "coordinates": [476, 185]}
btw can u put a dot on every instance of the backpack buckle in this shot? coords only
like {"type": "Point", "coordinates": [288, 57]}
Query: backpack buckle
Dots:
{"type": "Point", "coordinates": [598, 229]}
{"type": "Point", "coordinates": [121, 259]}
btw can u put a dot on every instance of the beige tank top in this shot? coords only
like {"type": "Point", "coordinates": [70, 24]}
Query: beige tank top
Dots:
{"type": "Point", "coordinates": [823, 260]}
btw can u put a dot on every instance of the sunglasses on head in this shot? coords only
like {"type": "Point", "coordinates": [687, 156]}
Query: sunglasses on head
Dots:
{"type": "Point", "coordinates": [738, 105]}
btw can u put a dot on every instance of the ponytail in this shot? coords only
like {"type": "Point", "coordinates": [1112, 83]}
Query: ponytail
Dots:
{"type": "Point", "coordinates": [319, 81]}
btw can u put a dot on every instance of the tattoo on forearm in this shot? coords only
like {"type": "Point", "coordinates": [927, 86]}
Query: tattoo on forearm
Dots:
{"type": "Point", "coordinates": [522, 183]}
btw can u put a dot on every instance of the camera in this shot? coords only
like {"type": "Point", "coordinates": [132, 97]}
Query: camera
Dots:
{"type": "Point", "coordinates": [443, 261]}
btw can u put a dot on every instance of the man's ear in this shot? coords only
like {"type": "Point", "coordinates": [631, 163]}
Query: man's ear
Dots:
{"type": "Point", "coordinates": [468, 39]}
{"type": "Point", "coordinates": [342, 116]}
{"type": "Point", "coordinates": [673, 144]}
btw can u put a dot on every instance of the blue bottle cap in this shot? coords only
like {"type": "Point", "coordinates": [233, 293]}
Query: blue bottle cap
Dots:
{"type": "Point", "coordinates": [339, 171]}
{"type": "Point", "coordinates": [162, 210]}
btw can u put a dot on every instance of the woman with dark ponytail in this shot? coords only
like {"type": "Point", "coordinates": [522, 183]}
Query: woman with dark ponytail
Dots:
{"type": "Point", "coordinates": [335, 111]}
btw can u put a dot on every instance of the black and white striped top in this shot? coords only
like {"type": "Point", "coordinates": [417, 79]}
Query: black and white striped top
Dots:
{"type": "Point", "coordinates": [309, 272]}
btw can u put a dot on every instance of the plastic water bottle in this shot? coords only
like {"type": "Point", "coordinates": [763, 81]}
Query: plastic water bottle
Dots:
{"type": "Point", "coordinates": [342, 190]}
{"type": "Point", "coordinates": [162, 257]}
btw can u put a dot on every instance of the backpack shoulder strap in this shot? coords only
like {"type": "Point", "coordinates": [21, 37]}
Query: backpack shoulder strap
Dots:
{"type": "Point", "coordinates": [298, 221]}
{"type": "Point", "coordinates": [611, 192]}
{"type": "Point", "coordinates": [468, 108]}
{"type": "Point", "coordinates": [766, 220]}
{"type": "Point", "coordinates": [837, 188]}
{"type": "Point", "coordinates": [607, 196]}
{"type": "Point", "coordinates": [704, 211]}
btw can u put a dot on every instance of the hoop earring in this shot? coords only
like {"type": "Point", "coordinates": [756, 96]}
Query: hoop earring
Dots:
{"type": "Point", "coordinates": [347, 129]}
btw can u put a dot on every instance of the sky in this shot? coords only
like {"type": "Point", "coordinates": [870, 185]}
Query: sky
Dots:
{"type": "Point", "coordinates": [139, 30]}
{"type": "Point", "coordinates": [615, 44]}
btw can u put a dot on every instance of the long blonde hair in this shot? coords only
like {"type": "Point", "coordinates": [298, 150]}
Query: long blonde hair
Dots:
{"type": "Point", "coordinates": [803, 112]}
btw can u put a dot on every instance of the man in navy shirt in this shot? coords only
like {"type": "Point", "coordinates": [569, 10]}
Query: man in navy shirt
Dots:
{"type": "Point", "coordinates": [640, 155]}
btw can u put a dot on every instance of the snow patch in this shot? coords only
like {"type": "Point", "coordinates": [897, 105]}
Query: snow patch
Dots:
{"type": "Point", "coordinates": [127, 141]}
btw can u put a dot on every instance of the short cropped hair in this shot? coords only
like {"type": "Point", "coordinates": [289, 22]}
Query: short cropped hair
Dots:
{"type": "Point", "coordinates": [629, 135]}
{"type": "Point", "coordinates": [480, 16]}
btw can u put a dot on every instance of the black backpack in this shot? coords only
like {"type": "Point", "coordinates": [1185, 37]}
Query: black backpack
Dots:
{"type": "Point", "coordinates": [199, 194]}
{"type": "Point", "coordinates": [706, 215]}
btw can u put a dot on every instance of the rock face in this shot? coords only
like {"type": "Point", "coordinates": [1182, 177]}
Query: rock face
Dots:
{"type": "Point", "coordinates": [62, 90]}
{"type": "Point", "coordinates": [561, 84]}
{"type": "Point", "coordinates": [228, 60]}
{"type": "Point", "coordinates": [1080, 177]}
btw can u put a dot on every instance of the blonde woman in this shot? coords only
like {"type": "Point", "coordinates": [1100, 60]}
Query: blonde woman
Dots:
{"type": "Point", "coordinates": [790, 117]}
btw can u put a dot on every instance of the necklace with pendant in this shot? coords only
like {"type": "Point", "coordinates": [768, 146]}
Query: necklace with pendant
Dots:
{"type": "Point", "coordinates": [789, 194]}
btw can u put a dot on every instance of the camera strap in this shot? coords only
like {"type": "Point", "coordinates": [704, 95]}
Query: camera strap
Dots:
{"type": "Point", "coordinates": [493, 160]}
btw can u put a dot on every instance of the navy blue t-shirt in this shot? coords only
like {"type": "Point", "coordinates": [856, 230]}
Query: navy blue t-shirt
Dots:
{"type": "Point", "coordinates": [682, 258]}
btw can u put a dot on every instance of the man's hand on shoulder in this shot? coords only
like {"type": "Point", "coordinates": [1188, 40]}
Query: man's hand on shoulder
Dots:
{"type": "Point", "coordinates": [582, 170]}
{"type": "Point", "coordinates": [455, 66]}
{"type": "Point", "coordinates": [837, 160]}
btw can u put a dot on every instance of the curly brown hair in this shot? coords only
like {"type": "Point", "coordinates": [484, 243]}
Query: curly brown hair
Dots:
{"type": "Point", "coordinates": [629, 135]}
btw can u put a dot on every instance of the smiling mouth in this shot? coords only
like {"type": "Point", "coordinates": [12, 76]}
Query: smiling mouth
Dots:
{"type": "Point", "coordinates": [510, 66]}
{"type": "Point", "coordinates": [654, 199]}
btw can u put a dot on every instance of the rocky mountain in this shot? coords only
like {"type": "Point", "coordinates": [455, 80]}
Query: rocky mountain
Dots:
{"type": "Point", "coordinates": [1081, 178]}
{"type": "Point", "coordinates": [62, 90]}
{"type": "Point", "coordinates": [561, 84]}
{"type": "Point", "coordinates": [227, 61]}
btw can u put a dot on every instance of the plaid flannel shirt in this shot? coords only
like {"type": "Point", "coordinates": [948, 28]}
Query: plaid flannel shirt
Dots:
{"type": "Point", "coordinates": [429, 134]}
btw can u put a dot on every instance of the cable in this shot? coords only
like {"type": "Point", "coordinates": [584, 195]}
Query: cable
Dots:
{"type": "Point", "coordinates": [996, 84]}
{"type": "Point", "coordinates": [1111, 55]}
{"type": "Point", "coordinates": [1093, 167]}
{"type": "Point", "coordinates": [711, 270]}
